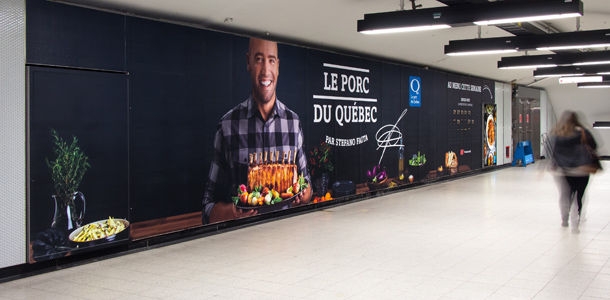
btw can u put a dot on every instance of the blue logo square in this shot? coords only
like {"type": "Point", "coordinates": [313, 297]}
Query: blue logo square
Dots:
{"type": "Point", "coordinates": [414, 91]}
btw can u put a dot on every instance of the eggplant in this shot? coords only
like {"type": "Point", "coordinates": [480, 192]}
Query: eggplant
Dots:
{"type": "Point", "coordinates": [382, 176]}
{"type": "Point", "coordinates": [369, 175]}
{"type": "Point", "coordinates": [376, 170]}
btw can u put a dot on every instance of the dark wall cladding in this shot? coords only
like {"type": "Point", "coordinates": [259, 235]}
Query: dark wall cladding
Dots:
{"type": "Point", "coordinates": [426, 124]}
{"type": "Point", "coordinates": [149, 129]}
{"type": "Point", "coordinates": [70, 36]}
{"type": "Point", "coordinates": [90, 107]}
{"type": "Point", "coordinates": [181, 83]}
{"type": "Point", "coordinates": [442, 116]}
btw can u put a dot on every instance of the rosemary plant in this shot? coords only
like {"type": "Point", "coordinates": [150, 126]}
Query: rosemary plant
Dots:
{"type": "Point", "coordinates": [68, 169]}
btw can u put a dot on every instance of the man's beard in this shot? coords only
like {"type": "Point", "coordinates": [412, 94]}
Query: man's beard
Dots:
{"type": "Point", "coordinates": [264, 96]}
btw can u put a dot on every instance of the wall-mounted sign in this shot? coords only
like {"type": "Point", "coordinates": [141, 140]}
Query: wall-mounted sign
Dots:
{"type": "Point", "coordinates": [414, 91]}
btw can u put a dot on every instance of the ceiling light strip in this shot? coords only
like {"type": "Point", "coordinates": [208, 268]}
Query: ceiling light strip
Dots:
{"type": "Point", "coordinates": [406, 29]}
{"type": "Point", "coordinates": [579, 79]}
{"type": "Point", "coordinates": [578, 39]}
{"type": "Point", "coordinates": [554, 60]}
{"type": "Point", "coordinates": [466, 14]}
{"type": "Point", "coordinates": [528, 19]}
{"type": "Point", "coordinates": [572, 71]}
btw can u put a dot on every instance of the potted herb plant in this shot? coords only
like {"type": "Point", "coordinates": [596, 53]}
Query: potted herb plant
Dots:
{"type": "Point", "coordinates": [67, 171]}
{"type": "Point", "coordinates": [320, 162]}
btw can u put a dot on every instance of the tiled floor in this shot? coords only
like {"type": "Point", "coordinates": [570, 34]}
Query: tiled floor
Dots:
{"type": "Point", "coordinates": [492, 236]}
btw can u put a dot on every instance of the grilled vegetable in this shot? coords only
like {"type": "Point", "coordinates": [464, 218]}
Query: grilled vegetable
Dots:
{"type": "Point", "coordinates": [262, 195]}
{"type": "Point", "coordinates": [243, 198]}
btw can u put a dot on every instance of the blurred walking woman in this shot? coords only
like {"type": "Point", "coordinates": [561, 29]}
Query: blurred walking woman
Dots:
{"type": "Point", "coordinates": [571, 156]}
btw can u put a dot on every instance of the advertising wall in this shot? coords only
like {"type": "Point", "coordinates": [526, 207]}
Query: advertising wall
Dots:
{"type": "Point", "coordinates": [167, 123]}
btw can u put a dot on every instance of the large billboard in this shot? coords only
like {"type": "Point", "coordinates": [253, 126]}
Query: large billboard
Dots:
{"type": "Point", "coordinates": [211, 127]}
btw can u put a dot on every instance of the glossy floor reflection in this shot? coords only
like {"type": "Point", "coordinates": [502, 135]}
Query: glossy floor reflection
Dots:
{"type": "Point", "coordinates": [497, 235]}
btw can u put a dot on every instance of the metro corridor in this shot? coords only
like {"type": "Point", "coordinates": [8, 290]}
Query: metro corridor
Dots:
{"type": "Point", "coordinates": [495, 235]}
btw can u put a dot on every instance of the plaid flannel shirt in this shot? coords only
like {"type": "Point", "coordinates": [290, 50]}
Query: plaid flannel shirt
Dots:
{"type": "Point", "coordinates": [242, 131]}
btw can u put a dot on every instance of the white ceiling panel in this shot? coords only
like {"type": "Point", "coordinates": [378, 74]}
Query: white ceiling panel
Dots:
{"type": "Point", "coordinates": [332, 25]}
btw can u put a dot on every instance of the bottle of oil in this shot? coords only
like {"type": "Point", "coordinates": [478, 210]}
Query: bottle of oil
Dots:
{"type": "Point", "coordinates": [401, 161]}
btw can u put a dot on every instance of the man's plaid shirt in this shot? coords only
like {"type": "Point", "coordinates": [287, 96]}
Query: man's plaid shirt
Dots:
{"type": "Point", "coordinates": [241, 132]}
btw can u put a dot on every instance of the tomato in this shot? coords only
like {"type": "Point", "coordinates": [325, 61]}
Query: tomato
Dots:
{"type": "Point", "coordinates": [295, 188]}
{"type": "Point", "coordinates": [243, 198]}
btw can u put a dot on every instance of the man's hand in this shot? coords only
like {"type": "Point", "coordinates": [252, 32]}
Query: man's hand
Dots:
{"type": "Point", "coordinates": [303, 198]}
{"type": "Point", "coordinates": [227, 211]}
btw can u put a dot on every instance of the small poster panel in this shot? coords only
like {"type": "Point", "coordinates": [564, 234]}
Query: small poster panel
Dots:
{"type": "Point", "coordinates": [489, 135]}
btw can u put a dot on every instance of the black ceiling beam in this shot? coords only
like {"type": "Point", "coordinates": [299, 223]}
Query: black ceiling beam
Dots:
{"type": "Point", "coordinates": [531, 42]}
{"type": "Point", "coordinates": [564, 59]}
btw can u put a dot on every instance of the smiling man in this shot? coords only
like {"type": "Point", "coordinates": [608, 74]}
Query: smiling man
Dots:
{"type": "Point", "coordinates": [260, 124]}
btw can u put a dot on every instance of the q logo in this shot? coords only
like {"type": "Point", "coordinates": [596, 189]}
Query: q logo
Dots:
{"type": "Point", "coordinates": [414, 91]}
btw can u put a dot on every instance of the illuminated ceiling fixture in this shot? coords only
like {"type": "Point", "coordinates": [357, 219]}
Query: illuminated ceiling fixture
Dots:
{"type": "Point", "coordinates": [554, 60]}
{"type": "Point", "coordinates": [579, 79]}
{"type": "Point", "coordinates": [466, 14]}
{"type": "Point", "coordinates": [574, 40]}
{"type": "Point", "coordinates": [594, 85]}
{"type": "Point", "coordinates": [549, 65]}
{"type": "Point", "coordinates": [404, 21]}
{"type": "Point", "coordinates": [532, 11]}
{"type": "Point", "coordinates": [550, 74]}
{"type": "Point", "coordinates": [572, 71]}
{"type": "Point", "coordinates": [406, 29]}
{"type": "Point", "coordinates": [481, 46]}
{"type": "Point", "coordinates": [555, 41]}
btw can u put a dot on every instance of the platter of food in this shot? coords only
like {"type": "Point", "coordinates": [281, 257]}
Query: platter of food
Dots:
{"type": "Point", "coordinates": [272, 184]}
{"type": "Point", "coordinates": [490, 132]}
{"type": "Point", "coordinates": [100, 232]}
{"type": "Point", "coordinates": [417, 160]}
{"type": "Point", "coordinates": [451, 160]}
{"type": "Point", "coordinates": [377, 178]}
